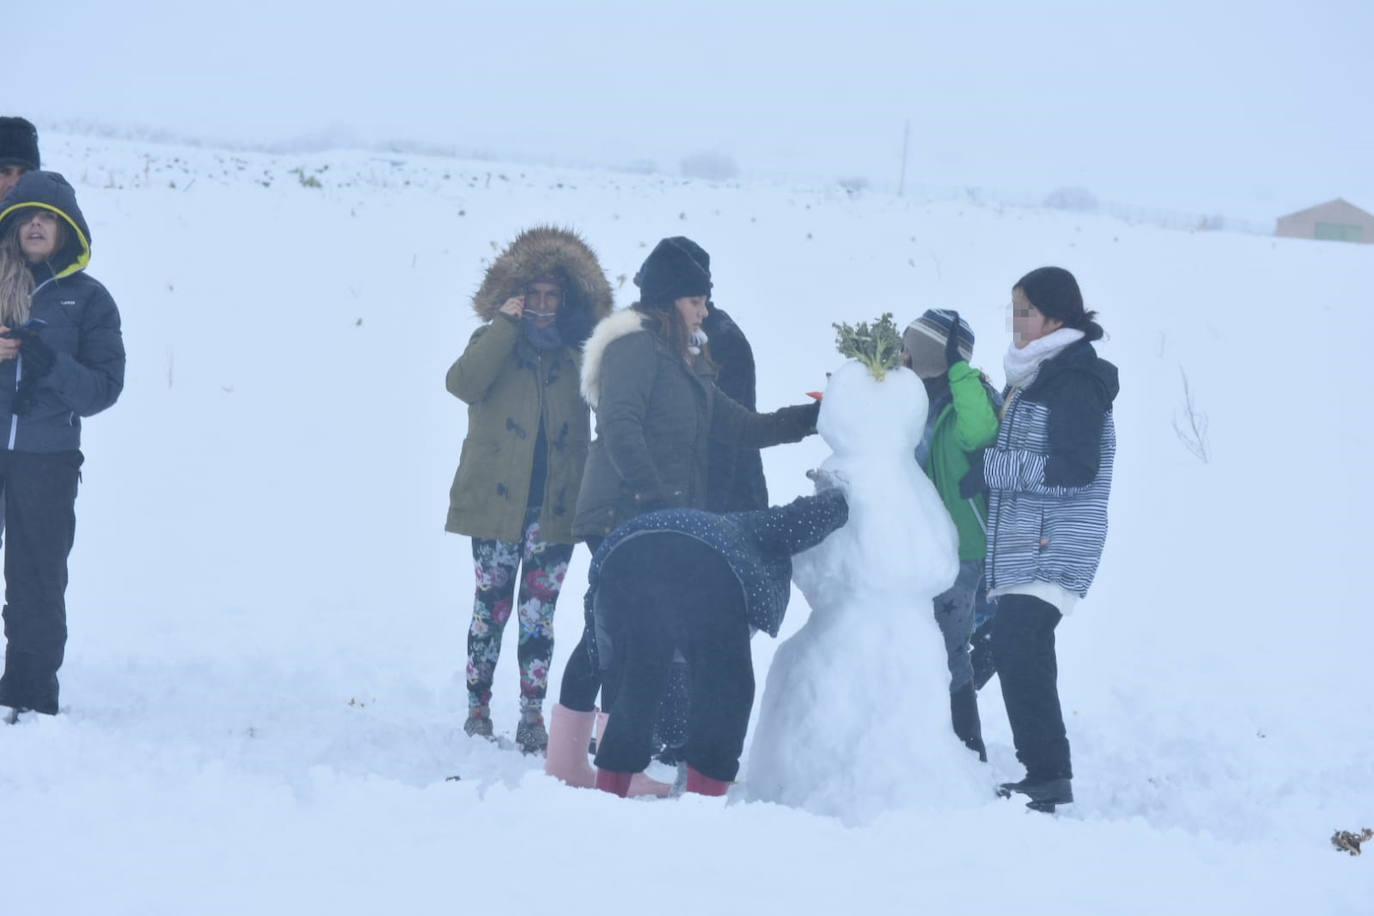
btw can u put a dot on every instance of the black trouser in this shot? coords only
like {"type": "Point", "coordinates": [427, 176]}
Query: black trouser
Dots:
{"type": "Point", "coordinates": [40, 525]}
{"type": "Point", "coordinates": [698, 609]}
{"type": "Point", "coordinates": [1023, 645]}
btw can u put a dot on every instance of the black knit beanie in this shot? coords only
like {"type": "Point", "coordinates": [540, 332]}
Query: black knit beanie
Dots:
{"type": "Point", "coordinates": [19, 143]}
{"type": "Point", "coordinates": [676, 268]}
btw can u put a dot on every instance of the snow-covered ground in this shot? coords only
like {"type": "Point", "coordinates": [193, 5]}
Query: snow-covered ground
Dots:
{"type": "Point", "coordinates": [264, 684]}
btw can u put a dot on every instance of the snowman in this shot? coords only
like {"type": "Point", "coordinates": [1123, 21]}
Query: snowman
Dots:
{"type": "Point", "coordinates": [855, 712]}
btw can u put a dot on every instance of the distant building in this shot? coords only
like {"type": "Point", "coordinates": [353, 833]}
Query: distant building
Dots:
{"type": "Point", "coordinates": [1336, 220]}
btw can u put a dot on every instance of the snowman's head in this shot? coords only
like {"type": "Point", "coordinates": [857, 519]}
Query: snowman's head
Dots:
{"type": "Point", "coordinates": [863, 416]}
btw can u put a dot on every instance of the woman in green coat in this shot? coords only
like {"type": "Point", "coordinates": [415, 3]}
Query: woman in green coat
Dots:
{"type": "Point", "coordinates": [515, 491]}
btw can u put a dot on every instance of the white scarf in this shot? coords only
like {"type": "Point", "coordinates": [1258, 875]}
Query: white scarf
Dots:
{"type": "Point", "coordinates": [1022, 364]}
{"type": "Point", "coordinates": [695, 341]}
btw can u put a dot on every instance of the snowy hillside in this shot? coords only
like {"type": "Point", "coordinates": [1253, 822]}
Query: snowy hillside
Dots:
{"type": "Point", "coordinates": [264, 678]}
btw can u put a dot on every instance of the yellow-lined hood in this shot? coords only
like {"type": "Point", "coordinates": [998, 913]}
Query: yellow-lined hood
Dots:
{"type": "Point", "coordinates": [50, 191]}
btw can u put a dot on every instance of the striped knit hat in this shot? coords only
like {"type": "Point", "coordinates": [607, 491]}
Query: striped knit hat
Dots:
{"type": "Point", "coordinates": [925, 340]}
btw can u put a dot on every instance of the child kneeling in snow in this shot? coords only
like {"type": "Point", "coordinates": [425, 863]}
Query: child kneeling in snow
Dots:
{"type": "Point", "coordinates": [699, 583]}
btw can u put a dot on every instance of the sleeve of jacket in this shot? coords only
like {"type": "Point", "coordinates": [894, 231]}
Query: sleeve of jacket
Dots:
{"type": "Point", "coordinates": [472, 374]}
{"type": "Point", "coordinates": [975, 418]}
{"type": "Point", "coordinates": [628, 369]}
{"type": "Point", "coordinates": [800, 525]}
{"type": "Point", "coordinates": [1077, 414]}
{"type": "Point", "coordinates": [91, 379]}
{"type": "Point", "coordinates": [738, 425]}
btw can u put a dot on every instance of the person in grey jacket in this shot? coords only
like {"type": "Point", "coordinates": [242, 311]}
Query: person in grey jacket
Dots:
{"type": "Point", "coordinates": [647, 373]}
{"type": "Point", "coordinates": [1048, 477]}
{"type": "Point", "coordinates": [61, 359]}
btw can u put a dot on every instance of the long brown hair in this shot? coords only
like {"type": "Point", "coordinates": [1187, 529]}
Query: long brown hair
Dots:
{"type": "Point", "coordinates": [669, 327]}
{"type": "Point", "coordinates": [16, 282]}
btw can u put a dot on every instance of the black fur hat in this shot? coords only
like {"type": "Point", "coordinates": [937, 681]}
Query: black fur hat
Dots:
{"type": "Point", "coordinates": [674, 269]}
{"type": "Point", "coordinates": [19, 144]}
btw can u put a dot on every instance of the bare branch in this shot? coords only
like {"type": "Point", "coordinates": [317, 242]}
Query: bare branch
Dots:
{"type": "Point", "coordinates": [1190, 425]}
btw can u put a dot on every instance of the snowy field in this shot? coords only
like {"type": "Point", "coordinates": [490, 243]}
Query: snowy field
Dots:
{"type": "Point", "coordinates": [263, 692]}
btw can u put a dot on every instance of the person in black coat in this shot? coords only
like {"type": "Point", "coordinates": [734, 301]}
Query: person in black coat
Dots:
{"type": "Point", "coordinates": [688, 581]}
{"type": "Point", "coordinates": [18, 151]}
{"type": "Point", "coordinates": [61, 359]}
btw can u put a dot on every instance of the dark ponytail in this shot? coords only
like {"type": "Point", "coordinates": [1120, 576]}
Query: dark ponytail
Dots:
{"type": "Point", "coordinates": [1055, 294]}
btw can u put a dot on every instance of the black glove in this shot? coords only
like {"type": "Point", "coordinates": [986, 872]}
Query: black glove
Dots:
{"type": "Point", "coordinates": [38, 356]}
{"type": "Point", "coordinates": [952, 355]}
{"type": "Point", "coordinates": [25, 398]}
{"type": "Point", "coordinates": [811, 413]}
{"type": "Point", "coordinates": [973, 483]}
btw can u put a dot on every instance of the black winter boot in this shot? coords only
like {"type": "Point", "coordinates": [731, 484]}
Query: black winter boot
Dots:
{"type": "Point", "coordinates": [530, 734]}
{"type": "Point", "coordinates": [1044, 795]}
{"type": "Point", "coordinates": [25, 686]}
{"type": "Point", "coordinates": [963, 708]}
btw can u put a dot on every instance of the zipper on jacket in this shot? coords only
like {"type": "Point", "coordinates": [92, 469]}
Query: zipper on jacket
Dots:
{"type": "Point", "coordinates": [14, 415]}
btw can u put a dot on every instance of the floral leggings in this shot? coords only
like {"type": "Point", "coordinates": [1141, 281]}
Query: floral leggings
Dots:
{"type": "Point", "coordinates": [543, 566]}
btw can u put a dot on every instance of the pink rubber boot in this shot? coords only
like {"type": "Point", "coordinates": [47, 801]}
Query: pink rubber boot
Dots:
{"type": "Point", "coordinates": [702, 784]}
{"type": "Point", "coordinates": [640, 784]}
{"type": "Point", "coordinates": [566, 755]}
{"type": "Point", "coordinates": [600, 730]}
{"type": "Point", "coordinates": [614, 782]}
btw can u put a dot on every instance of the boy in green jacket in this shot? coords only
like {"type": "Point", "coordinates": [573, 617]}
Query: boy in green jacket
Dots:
{"type": "Point", "coordinates": [962, 421]}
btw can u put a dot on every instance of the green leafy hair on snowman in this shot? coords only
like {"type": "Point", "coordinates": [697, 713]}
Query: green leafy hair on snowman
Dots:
{"type": "Point", "coordinates": [878, 347]}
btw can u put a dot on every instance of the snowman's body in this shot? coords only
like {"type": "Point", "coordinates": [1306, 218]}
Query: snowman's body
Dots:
{"type": "Point", "coordinates": [855, 716]}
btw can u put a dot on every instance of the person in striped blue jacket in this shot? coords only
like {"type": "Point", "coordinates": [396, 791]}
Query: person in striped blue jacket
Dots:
{"type": "Point", "coordinates": [1047, 476]}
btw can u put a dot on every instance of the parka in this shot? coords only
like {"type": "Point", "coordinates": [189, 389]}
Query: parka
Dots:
{"type": "Point", "coordinates": [655, 416]}
{"type": "Point", "coordinates": [75, 316]}
{"type": "Point", "coordinates": [519, 397]}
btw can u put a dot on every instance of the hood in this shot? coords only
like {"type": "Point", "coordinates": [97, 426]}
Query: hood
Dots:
{"type": "Point", "coordinates": [51, 191]}
{"type": "Point", "coordinates": [544, 251]}
{"type": "Point", "coordinates": [1081, 359]}
{"type": "Point", "coordinates": [612, 328]}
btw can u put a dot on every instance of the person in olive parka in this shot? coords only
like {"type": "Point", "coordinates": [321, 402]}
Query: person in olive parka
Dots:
{"type": "Point", "coordinates": [61, 359]}
{"type": "Point", "coordinates": [516, 487]}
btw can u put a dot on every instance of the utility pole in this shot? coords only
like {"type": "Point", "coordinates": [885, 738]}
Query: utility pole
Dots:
{"type": "Point", "coordinates": [906, 137]}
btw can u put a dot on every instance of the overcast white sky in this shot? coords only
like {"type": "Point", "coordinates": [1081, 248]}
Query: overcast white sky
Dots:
{"type": "Point", "coordinates": [1248, 108]}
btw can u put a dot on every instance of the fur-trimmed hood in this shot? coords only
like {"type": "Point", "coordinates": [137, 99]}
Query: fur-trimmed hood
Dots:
{"type": "Point", "coordinates": [611, 328]}
{"type": "Point", "coordinates": [543, 251]}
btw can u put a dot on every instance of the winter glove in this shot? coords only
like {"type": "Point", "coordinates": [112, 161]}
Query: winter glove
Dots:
{"type": "Point", "coordinates": [824, 480]}
{"type": "Point", "coordinates": [38, 356]}
{"type": "Point", "coordinates": [810, 414]}
{"type": "Point", "coordinates": [973, 483]}
{"type": "Point", "coordinates": [952, 355]}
